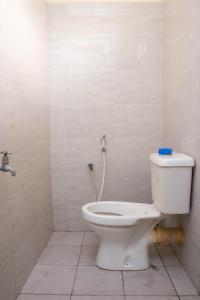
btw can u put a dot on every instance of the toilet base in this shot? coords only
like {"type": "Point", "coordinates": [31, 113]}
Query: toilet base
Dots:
{"type": "Point", "coordinates": [124, 248]}
{"type": "Point", "coordinates": [113, 256]}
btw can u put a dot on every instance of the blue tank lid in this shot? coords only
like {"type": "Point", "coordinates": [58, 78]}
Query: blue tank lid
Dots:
{"type": "Point", "coordinates": [165, 151]}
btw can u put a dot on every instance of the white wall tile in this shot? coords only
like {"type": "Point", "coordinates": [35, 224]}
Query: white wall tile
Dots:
{"type": "Point", "coordinates": [24, 114]}
{"type": "Point", "coordinates": [105, 77]}
{"type": "Point", "coordinates": [182, 91]}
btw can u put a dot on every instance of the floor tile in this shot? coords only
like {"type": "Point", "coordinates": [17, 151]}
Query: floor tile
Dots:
{"type": "Point", "coordinates": [90, 239]}
{"type": "Point", "coordinates": [60, 255]}
{"type": "Point", "coordinates": [148, 282]}
{"type": "Point", "coordinates": [190, 298]}
{"type": "Point", "coordinates": [168, 256]}
{"type": "Point", "coordinates": [95, 281]}
{"type": "Point", "coordinates": [154, 257]}
{"type": "Point", "coordinates": [66, 238]}
{"type": "Point", "coordinates": [43, 297]}
{"type": "Point", "coordinates": [88, 255]}
{"type": "Point", "coordinates": [152, 298]}
{"type": "Point", "coordinates": [181, 281]}
{"type": "Point", "coordinates": [98, 298]}
{"type": "Point", "coordinates": [50, 280]}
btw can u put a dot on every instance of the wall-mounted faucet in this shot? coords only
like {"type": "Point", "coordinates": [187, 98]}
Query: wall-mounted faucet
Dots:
{"type": "Point", "coordinates": [91, 166]}
{"type": "Point", "coordinates": [5, 163]}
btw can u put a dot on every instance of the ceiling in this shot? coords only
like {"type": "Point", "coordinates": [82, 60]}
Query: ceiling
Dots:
{"type": "Point", "coordinates": [63, 1]}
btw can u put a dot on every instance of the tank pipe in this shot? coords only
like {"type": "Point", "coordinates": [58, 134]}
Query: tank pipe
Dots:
{"type": "Point", "coordinates": [167, 236]}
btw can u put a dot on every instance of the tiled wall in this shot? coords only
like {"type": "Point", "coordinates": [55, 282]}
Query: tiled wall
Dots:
{"type": "Point", "coordinates": [25, 200]}
{"type": "Point", "coordinates": [105, 77]}
{"type": "Point", "coordinates": [182, 89]}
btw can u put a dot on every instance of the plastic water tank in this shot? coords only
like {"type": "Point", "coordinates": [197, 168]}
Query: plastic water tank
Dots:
{"type": "Point", "coordinates": [171, 177]}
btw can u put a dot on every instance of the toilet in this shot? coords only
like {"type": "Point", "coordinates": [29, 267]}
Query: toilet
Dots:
{"type": "Point", "coordinates": [125, 228]}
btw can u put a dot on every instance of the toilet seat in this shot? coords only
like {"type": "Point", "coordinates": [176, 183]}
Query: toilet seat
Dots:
{"type": "Point", "coordinates": [114, 213]}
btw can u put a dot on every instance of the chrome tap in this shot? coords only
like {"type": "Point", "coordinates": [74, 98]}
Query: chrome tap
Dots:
{"type": "Point", "coordinates": [5, 163]}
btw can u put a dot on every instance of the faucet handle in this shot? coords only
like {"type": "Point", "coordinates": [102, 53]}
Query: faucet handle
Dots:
{"type": "Point", "coordinates": [5, 153]}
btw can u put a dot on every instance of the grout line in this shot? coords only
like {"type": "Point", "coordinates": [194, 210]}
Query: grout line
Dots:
{"type": "Point", "coordinates": [83, 237]}
{"type": "Point", "coordinates": [70, 231]}
{"type": "Point", "coordinates": [77, 265]}
{"type": "Point", "coordinates": [105, 295]}
{"type": "Point", "coordinates": [62, 265]}
{"type": "Point", "coordinates": [174, 252]}
{"type": "Point", "coordinates": [123, 284]}
{"type": "Point", "coordinates": [39, 294]}
{"type": "Point", "coordinates": [167, 273]}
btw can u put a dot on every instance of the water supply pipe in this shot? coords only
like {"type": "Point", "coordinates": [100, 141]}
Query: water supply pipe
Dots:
{"type": "Point", "coordinates": [167, 236]}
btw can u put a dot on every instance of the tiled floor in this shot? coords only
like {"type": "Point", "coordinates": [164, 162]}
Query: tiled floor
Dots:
{"type": "Point", "coordinates": [66, 271]}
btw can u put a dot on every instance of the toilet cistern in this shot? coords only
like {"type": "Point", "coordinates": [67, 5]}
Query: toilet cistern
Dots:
{"type": "Point", "coordinates": [5, 163]}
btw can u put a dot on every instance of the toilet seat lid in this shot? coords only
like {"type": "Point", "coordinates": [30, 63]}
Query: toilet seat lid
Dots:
{"type": "Point", "coordinates": [114, 213]}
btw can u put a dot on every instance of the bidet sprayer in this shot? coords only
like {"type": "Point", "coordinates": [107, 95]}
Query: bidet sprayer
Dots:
{"type": "Point", "coordinates": [103, 143]}
{"type": "Point", "coordinates": [91, 167]}
{"type": "Point", "coordinates": [5, 163]}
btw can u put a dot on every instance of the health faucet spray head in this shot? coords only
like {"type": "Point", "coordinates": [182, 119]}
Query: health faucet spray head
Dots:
{"type": "Point", "coordinates": [103, 143]}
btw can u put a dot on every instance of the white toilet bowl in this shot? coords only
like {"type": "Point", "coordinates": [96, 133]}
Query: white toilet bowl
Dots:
{"type": "Point", "coordinates": [124, 230]}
